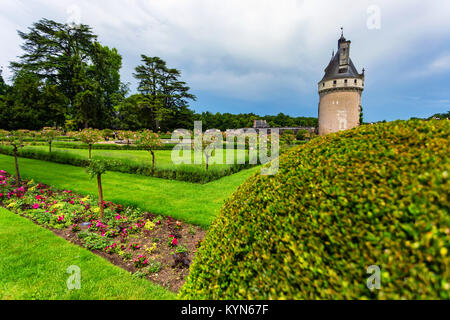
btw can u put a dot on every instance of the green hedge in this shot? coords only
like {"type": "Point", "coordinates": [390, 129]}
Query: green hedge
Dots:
{"type": "Point", "coordinates": [189, 173]}
{"type": "Point", "coordinates": [374, 195]}
{"type": "Point", "coordinates": [100, 146]}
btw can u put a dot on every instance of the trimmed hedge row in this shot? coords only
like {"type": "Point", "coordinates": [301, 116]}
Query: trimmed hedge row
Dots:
{"type": "Point", "coordinates": [100, 146]}
{"type": "Point", "coordinates": [375, 195]}
{"type": "Point", "coordinates": [194, 174]}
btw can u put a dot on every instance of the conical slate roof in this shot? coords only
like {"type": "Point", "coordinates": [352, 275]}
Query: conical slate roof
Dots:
{"type": "Point", "coordinates": [332, 71]}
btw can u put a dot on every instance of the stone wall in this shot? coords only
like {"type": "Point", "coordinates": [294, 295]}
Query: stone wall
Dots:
{"type": "Point", "coordinates": [339, 110]}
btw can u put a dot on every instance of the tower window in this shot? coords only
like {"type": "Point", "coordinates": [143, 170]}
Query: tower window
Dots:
{"type": "Point", "coordinates": [345, 81]}
{"type": "Point", "coordinates": [323, 84]}
{"type": "Point", "coordinates": [334, 82]}
{"type": "Point", "coordinates": [356, 81]}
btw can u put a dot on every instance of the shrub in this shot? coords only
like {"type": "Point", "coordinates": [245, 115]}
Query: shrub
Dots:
{"type": "Point", "coordinates": [302, 135]}
{"type": "Point", "coordinates": [374, 195]}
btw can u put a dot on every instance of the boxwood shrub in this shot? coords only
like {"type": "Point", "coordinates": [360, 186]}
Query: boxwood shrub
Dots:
{"type": "Point", "coordinates": [375, 195]}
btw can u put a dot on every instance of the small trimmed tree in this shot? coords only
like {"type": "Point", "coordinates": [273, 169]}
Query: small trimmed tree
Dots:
{"type": "Point", "coordinates": [206, 149]}
{"type": "Point", "coordinates": [49, 134]}
{"type": "Point", "coordinates": [14, 139]}
{"type": "Point", "coordinates": [149, 141]}
{"type": "Point", "coordinates": [95, 169]}
{"type": "Point", "coordinates": [126, 135]}
{"type": "Point", "coordinates": [90, 136]}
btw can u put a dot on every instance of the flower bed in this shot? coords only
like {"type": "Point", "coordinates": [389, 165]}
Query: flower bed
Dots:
{"type": "Point", "coordinates": [147, 245]}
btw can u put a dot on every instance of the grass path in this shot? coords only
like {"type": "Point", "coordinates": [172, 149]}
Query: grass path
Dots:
{"type": "Point", "coordinates": [34, 262]}
{"type": "Point", "coordinates": [193, 203]}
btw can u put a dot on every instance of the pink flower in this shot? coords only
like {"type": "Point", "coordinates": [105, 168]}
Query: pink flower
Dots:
{"type": "Point", "coordinates": [61, 218]}
{"type": "Point", "coordinates": [38, 197]}
{"type": "Point", "coordinates": [174, 241]}
{"type": "Point", "coordinates": [36, 206]}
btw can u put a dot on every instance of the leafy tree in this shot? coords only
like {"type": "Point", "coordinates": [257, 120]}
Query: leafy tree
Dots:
{"type": "Point", "coordinates": [149, 141]}
{"type": "Point", "coordinates": [30, 103]}
{"type": "Point", "coordinates": [70, 58]}
{"type": "Point", "coordinates": [163, 94]}
{"type": "Point", "coordinates": [95, 169]}
{"type": "Point", "coordinates": [3, 85]}
{"type": "Point", "coordinates": [54, 51]}
{"type": "Point", "coordinates": [90, 137]}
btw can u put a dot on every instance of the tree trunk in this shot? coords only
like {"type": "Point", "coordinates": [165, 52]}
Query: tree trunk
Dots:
{"type": "Point", "coordinates": [50, 147]}
{"type": "Point", "coordinates": [100, 195]}
{"type": "Point", "coordinates": [90, 148]}
{"type": "Point", "coordinates": [17, 167]}
{"type": "Point", "coordinates": [153, 159]}
{"type": "Point", "coordinates": [207, 164]}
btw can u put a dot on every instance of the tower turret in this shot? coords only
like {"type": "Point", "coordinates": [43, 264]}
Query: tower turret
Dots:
{"type": "Point", "coordinates": [340, 92]}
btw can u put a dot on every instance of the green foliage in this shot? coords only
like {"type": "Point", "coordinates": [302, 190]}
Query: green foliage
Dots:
{"type": "Point", "coordinates": [287, 138]}
{"type": "Point", "coordinates": [154, 266]}
{"type": "Point", "coordinates": [374, 195]}
{"type": "Point", "coordinates": [31, 104]}
{"type": "Point", "coordinates": [224, 121]}
{"type": "Point", "coordinates": [94, 241]}
{"type": "Point", "coordinates": [163, 97]}
{"type": "Point", "coordinates": [96, 167]}
{"type": "Point", "coordinates": [148, 140]}
{"type": "Point", "coordinates": [90, 136]}
{"type": "Point", "coordinates": [361, 115]}
{"type": "Point", "coordinates": [302, 135]}
{"type": "Point", "coordinates": [73, 69]}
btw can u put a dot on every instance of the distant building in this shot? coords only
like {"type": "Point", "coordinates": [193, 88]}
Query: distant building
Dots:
{"type": "Point", "coordinates": [340, 92]}
{"type": "Point", "coordinates": [260, 124]}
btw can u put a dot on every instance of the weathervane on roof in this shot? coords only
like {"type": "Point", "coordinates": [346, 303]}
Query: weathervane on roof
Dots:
{"type": "Point", "coordinates": [342, 31]}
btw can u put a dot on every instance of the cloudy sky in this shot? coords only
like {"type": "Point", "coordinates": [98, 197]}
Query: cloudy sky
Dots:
{"type": "Point", "coordinates": [266, 56]}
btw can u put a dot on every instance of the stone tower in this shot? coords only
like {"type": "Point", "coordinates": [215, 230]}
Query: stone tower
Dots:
{"type": "Point", "coordinates": [340, 92]}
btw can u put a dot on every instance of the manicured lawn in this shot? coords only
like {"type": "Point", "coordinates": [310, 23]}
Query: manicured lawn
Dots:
{"type": "Point", "coordinates": [34, 262]}
{"type": "Point", "coordinates": [193, 203]}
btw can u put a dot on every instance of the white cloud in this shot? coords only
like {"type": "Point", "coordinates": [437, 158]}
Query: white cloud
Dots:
{"type": "Point", "coordinates": [247, 49]}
